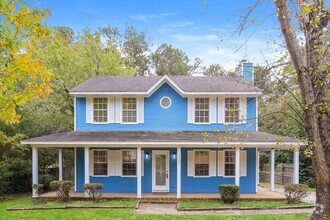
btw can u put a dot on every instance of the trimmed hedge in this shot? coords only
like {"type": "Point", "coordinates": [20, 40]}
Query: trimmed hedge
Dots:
{"type": "Point", "coordinates": [62, 189]}
{"type": "Point", "coordinates": [94, 191]}
{"type": "Point", "coordinates": [229, 193]}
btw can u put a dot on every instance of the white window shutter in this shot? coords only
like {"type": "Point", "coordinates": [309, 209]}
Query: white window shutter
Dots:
{"type": "Point", "coordinates": [243, 109]}
{"type": "Point", "coordinates": [111, 163]}
{"type": "Point", "coordinates": [221, 110]}
{"type": "Point", "coordinates": [243, 163]}
{"type": "Point", "coordinates": [140, 109]}
{"type": "Point", "coordinates": [118, 163]}
{"type": "Point", "coordinates": [91, 162]}
{"type": "Point", "coordinates": [118, 110]}
{"type": "Point", "coordinates": [213, 162]}
{"type": "Point", "coordinates": [191, 163]}
{"type": "Point", "coordinates": [142, 163]}
{"type": "Point", "coordinates": [213, 110]}
{"type": "Point", "coordinates": [89, 110]}
{"type": "Point", "coordinates": [111, 110]}
{"type": "Point", "coordinates": [191, 109]}
{"type": "Point", "coordinates": [221, 162]}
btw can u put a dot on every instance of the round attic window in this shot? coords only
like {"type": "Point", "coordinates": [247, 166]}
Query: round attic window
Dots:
{"type": "Point", "coordinates": [165, 102]}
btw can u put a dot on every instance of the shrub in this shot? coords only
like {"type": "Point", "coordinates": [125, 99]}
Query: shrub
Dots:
{"type": "Point", "coordinates": [294, 193]}
{"type": "Point", "coordinates": [62, 189]}
{"type": "Point", "coordinates": [38, 188]}
{"type": "Point", "coordinates": [229, 193]}
{"type": "Point", "coordinates": [94, 191]}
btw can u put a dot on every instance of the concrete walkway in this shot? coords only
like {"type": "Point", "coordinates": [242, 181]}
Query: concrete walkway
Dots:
{"type": "Point", "coordinates": [311, 198]}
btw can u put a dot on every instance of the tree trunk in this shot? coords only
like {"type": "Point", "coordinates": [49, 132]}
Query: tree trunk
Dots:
{"type": "Point", "coordinates": [314, 94]}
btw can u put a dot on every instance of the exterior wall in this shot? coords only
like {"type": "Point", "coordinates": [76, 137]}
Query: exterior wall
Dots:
{"type": "Point", "coordinates": [188, 184]}
{"type": "Point", "coordinates": [158, 119]}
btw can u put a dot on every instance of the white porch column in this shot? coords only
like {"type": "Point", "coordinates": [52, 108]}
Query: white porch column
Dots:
{"type": "Point", "coordinates": [178, 173]}
{"type": "Point", "coordinates": [257, 169]}
{"type": "Point", "coordinates": [272, 170]}
{"type": "Point", "coordinates": [86, 167]}
{"type": "Point", "coordinates": [34, 168]}
{"type": "Point", "coordinates": [296, 166]}
{"type": "Point", "coordinates": [60, 164]}
{"type": "Point", "coordinates": [237, 165]}
{"type": "Point", "coordinates": [138, 172]}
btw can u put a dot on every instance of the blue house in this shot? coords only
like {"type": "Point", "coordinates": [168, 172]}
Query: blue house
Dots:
{"type": "Point", "coordinates": [170, 134]}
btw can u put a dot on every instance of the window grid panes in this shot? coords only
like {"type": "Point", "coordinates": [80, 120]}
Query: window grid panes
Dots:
{"type": "Point", "coordinates": [202, 110]}
{"type": "Point", "coordinates": [100, 109]}
{"type": "Point", "coordinates": [129, 110]}
{"type": "Point", "coordinates": [100, 162]}
{"type": "Point", "coordinates": [129, 162]}
{"type": "Point", "coordinates": [201, 163]}
{"type": "Point", "coordinates": [232, 110]}
{"type": "Point", "coordinates": [229, 163]}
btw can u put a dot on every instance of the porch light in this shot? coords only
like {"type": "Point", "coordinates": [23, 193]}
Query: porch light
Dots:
{"type": "Point", "coordinates": [173, 155]}
{"type": "Point", "coordinates": [147, 155]}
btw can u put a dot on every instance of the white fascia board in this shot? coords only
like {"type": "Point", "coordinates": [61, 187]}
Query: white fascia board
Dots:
{"type": "Point", "coordinates": [164, 144]}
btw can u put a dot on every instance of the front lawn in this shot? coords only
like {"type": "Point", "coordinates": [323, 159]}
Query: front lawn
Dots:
{"type": "Point", "coordinates": [239, 204]}
{"type": "Point", "coordinates": [81, 214]}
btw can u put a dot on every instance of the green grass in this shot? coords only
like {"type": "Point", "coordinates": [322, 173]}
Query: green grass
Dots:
{"type": "Point", "coordinates": [239, 204]}
{"type": "Point", "coordinates": [96, 214]}
{"type": "Point", "coordinates": [312, 189]}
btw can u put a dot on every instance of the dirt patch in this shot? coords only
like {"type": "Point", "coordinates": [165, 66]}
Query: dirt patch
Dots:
{"type": "Point", "coordinates": [157, 208]}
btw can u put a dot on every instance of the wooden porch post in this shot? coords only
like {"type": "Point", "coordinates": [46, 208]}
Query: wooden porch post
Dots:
{"type": "Point", "coordinates": [296, 166]}
{"type": "Point", "coordinates": [178, 173]}
{"type": "Point", "coordinates": [272, 170]}
{"type": "Point", "coordinates": [60, 164]}
{"type": "Point", "coordinates": [87, 179]}
{"type": "Point", "coordinates": [138, 172]}
{"type": "Point", "coordinates": [34, 168]}
{"type": "Point", "coordinates": [237, 165]}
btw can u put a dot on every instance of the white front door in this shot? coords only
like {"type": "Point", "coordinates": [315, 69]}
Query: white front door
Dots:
{"type": "Point", "coordinates": [160, 171]}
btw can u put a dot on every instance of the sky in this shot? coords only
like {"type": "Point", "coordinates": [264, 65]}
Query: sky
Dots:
{"type": "Point", "coordinates": [204, 29]}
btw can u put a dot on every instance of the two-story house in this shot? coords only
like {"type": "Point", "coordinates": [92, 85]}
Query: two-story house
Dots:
{"type": "Point", "coordinates": [170, 134]}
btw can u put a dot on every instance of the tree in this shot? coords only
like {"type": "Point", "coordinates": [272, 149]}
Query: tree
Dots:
{"type": "Point", "coordinates": [136, 48]}
{"type": "Point", "coordinates": [22, 76]}
{"type": "Point", "coordinates": [170, 61]}
{"type": "Point", "coordinates": [312, 68]}
{"type": "Point", "coordinates": [214, 70]}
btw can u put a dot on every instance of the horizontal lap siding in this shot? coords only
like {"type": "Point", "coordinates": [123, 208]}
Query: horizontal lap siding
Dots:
{"type": "Point", "coordinates": [158, 119]}
{"type": "Point", "coordinates": [80, 166]}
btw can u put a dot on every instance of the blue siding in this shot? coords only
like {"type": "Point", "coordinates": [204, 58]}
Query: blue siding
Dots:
{"type": "Point", "coordinates": [248, 71]}
{"type": "Point", "coordinates": [158, 119]}
{"type": "Point", "coordinates": [189, 184]}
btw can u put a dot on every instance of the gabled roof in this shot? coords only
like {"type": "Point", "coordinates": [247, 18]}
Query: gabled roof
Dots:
{"type": "Point", "coordinates": [184, 85]}
{"type": "Point", "coordinates": [159, 138]}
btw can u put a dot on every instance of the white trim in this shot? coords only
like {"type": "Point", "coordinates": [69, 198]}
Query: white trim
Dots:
{"type": "Point", "coordinates": [121, 162]}
{"type": "Point", "coordinates": [138, 172]}
{"type": "Point", "coordinates": [178, 173]}
{"type": "Point", "coordinates": [296, 166]}
{"type": "Point", "coordinates": [167, 186]}
{"type": "Point", "coordinates": [165, 97]}
{"type": "Point", "coordinates": [146, 94]}
{"type": "Point", "coordinates": [34, 169]}
{"type": "Point", "coordinates": [257, 114]}
{"type": "Point", "coordinates": [224, 163]}
{"type": "Point", "coordinates": [272, 170]}
{"type": "Point", "coordinates": [75, 169]}
{"type": "Point", "coordinates": [87, 177]}
{"type": "Point", "coordinates": [257, 169]}
{"type": "Point", "coordinates": [208, 150]}
{"type": "Point", "coordinates": [75, 113]}
{"type": "Point", "coordinates": [164, 79]}
{"type": "Point", "coordinates": [92, 107]}
{"type": "Point", "coordinates": [136, 110]}
{"type": "Point", "coordinates": [284, 145]}
{"type": "Point", "coordinates": [92, 168]}
{"type": "Point", "coordinates": [60, 164]}
{"type": "Point", "coordinates": [237, 166]}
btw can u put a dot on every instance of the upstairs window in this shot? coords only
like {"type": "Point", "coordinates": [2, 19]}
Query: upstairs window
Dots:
{"type": "Point", "coordinates": [229, 163]}
{"type": "Point", "coordinates": [202, 163]}
{"type": "Point", "coordinates": [100, 107]}
{"type": "Point", "coordinates": [232, 110]}
{"type": "Point", "coordinates": [129, 162]}
{"type": "Point", "coordinates": [100, 165]}
{"type": "Point", "coordinates": [202, 110]}
{"type": "Point", "coordinates": [129, 110]}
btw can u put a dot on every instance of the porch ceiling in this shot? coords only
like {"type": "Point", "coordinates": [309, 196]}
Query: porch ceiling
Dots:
{"type": "Point", "coordinates": [165, 139]}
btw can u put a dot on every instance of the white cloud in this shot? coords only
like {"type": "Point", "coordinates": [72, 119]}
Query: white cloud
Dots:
{"type": "Point", "coordinates": [188, 38]}
{"type": "Point", "coordinates": [146, 17]}
{"type": "Point", "coordinates": [173, 26]}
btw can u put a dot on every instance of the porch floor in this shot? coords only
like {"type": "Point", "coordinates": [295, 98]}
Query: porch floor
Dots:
{"type": "Point", "coordinates": [262, 194]}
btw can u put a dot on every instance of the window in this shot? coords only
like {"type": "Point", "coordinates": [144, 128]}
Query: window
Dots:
{"type": "Point", "coordinates": [229, 163]}
{"type": "Point", "coordinates": [129, 162]}
{"type": "Point", "coordinates": [100, 165]}
{"type": "Point", "coordinates": [165, 102]}
{"type": "Point", "coordinates": [202, 110]}
{"type": "Point", "coordinates": [232, 110]}
{"type": "Point", "coordinates": [201, 163]}
{"type": "Point", "coordinates": [100, 110]}
{"type": "Point", "coordinates": [129, 110]}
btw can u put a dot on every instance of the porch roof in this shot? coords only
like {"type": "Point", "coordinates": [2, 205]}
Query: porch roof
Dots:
{"type": "Point", "coordinates": [165, 138]}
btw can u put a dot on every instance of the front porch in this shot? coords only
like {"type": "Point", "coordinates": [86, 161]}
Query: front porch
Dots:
{"type": "Point", "coordinates": [262, 194]}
